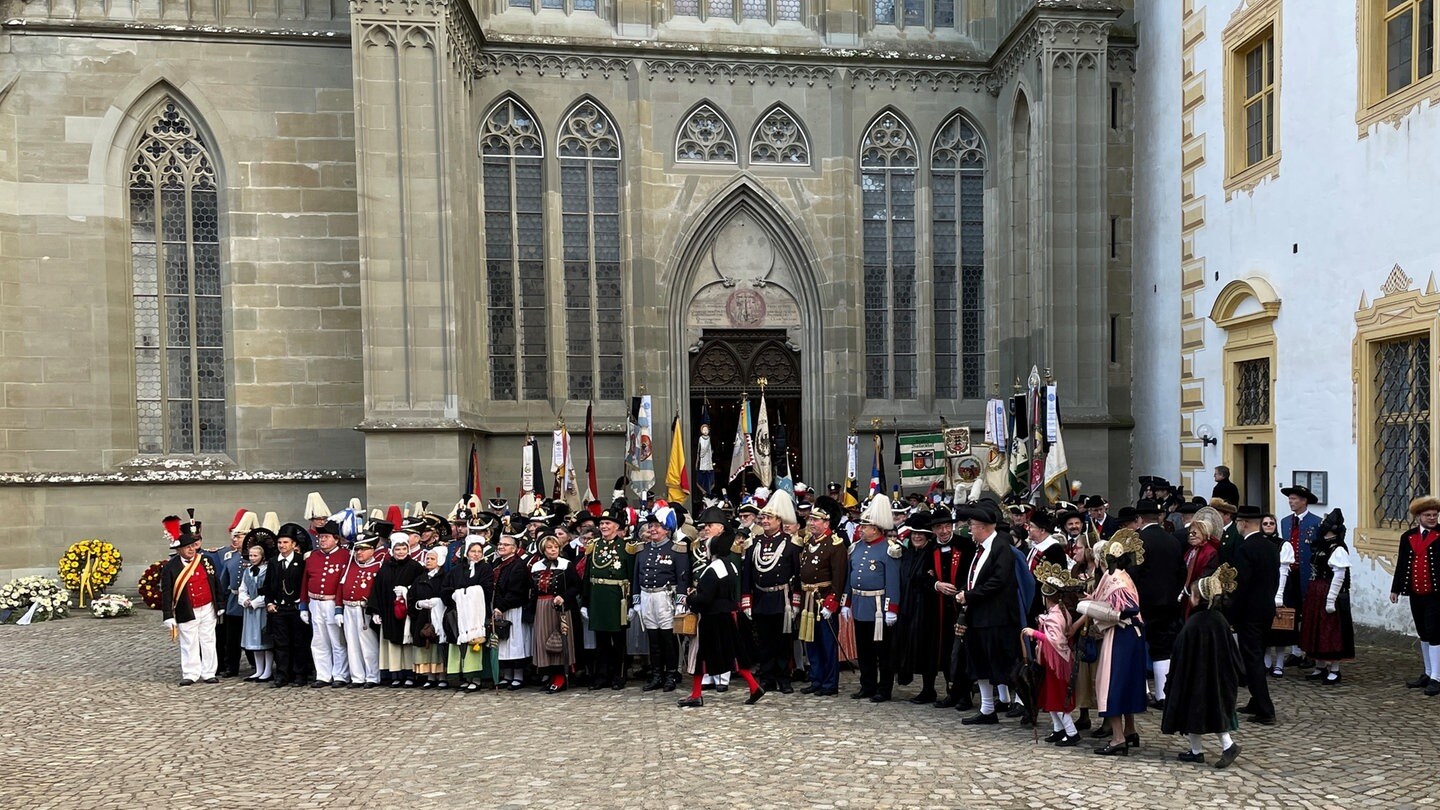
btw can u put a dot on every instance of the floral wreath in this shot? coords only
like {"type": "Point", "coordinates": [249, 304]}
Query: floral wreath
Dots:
{"type": "Point", "coordinates": [149, 585]}
{"type": "Point", "coordinates": [89, 567]}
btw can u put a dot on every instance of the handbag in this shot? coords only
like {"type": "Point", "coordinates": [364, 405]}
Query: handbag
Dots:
{"type": "Point", "coordinates": [1284, 619]}
{"type": "Point", "coordinates": [686, 624]}
{"type": "Point", "coordinates": [502, 629]}
{"type": "Point", "coordinates": [554, 642]}
{"type": "Point", "coordinates": [399, 608]}
{"type": "Point", "coordinates": [1088, 649]}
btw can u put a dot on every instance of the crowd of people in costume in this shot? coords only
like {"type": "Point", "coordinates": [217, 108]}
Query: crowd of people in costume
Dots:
{"type": "Point", "coordinates": [1043, 614]}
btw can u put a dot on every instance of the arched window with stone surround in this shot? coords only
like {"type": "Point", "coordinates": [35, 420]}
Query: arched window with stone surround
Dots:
{"type": "Point", "coordinates": [888, 160]}
{"type": "Point", "coordinates": [705, 137]}
{"type": "Point", "coordinates": [588, 146]}
{"type": "Point", "coordinates": [957, 193]}
{"type": "Point", "coordinates": [779, 139]}
{"type": "Point", "coordinates": [180, 336]}
{"type": "Point", "coordinates": [512, 155]}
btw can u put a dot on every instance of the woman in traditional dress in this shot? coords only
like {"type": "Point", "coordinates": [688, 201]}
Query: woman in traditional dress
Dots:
{"type": "Point", "coordinates": [1202, 553]}
{"type": "Point", "coordinates": [1278, 640]}
{"type": "Point", "coordinates": [510, 604]}
{"type": "Point", "coordinates": [712, 598]}
{"type": "Point", "coordinates": [556, 594]}
{"type": "Point", "coordinates": [1327, 631]}
{"type": "Point", "coordinates": [427, 621]}
{"type": "Point", "coordinates": [1052, 649]}
{"type": "Point", "coordinates": [254, 631]}
{"type": "Point", "coordinates": [1085, 635]}
{"type": "Point", "coordinates": [1205, 670]}
{"type": "Point", "coordinates": [390, 609]}
{"type": "Point", "coordinates": [1120, 673]}
{"type": "Point", "coordinates": [467, 592]}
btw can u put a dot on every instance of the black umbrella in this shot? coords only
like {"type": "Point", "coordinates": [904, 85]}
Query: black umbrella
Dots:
{"type": "Point", "coordinates": [1026, 678]}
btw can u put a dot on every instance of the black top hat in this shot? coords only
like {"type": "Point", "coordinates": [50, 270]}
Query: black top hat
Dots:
{"type": "Point", "coordinates": [1302, 491]}
{"type": "Point", "coordinates": [330, 527]}
{"type": "Point", "coordinates": [1147, 506]}
{"type": "Point", "coordinates": [980, 511]}
{"type": "Point", "coordinates": [1248, 512]}
{"type": "Point", "coordinates": [295, 532]}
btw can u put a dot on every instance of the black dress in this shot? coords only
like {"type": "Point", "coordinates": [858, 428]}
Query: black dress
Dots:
{"type": "Point", "coordinates": [714, 602]}
{"type": "Point", "coordinates": [1158, 582]}
{"type": "Point", "coordinates": [1292, 599]}
{"type": "Point", "coordinates": [917, 633]}
{"type": "Point", "coordinates": [1205, 670]}
{"type": "Point", "coordinates": [426, 587]}
{"type": "Point", "coordinates": [393, 573]}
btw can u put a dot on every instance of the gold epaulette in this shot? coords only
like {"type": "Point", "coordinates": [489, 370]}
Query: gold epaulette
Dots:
{"type": "Point", "coordinates": [737, 547]}
{"type": "Point", "coordinates": [837, 540]}
{"type": "Point", "coordinates": [632, 548]}
{"type": "Point", "coordinates": [681, 547]}
{"type": "Point", "coordinates": [590, 547]}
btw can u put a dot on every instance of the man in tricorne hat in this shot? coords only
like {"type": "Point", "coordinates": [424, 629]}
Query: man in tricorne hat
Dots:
{"type": "Point", "coordinates": [1417, 576]}
{"type": "Point", "coordinates": [321, 591]}
{"type": "Point", "coordinates": [1252, 608]}
{"type": "Point", "coordinates": [1158, 582]}
{"type": "Point", "coordinates": [284, 593]}
{"type": "Point", "coordinates": [991, 603]}
{"type": "Point", "coordinates": [747, 514]}
{"type": "Point", "coordinates": [770, 591]}
{"type": "Point", "coordinates": [822, 578]}
{"type": "Point", "coordinates": [661, 579]}
{"type": "Point", "coordinates": [1099, 521]}
{"type": "Point", "coordinates": [1298, 529]}
{"type": "Point", "coordinates": [191, 601]}
{"type": "Point", "coordinates": [362, 635]}
{"type": "Point", "coordinates": [872, 600]}
{"type": "Point", "coordinates": [605, 597]}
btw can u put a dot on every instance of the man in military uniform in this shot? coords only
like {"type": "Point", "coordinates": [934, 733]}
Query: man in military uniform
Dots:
{"type": "Point", "coordinates": [362, 640]}
{"type": "Point", "coordinates": [191, 601]}
{"type": "Point", "coordinates": [662, 576]}
{"type": "Point", "coordinates": [822, 579]}
{"type": "Point", "coordinates": [770, 591]}
{"type": "Point", "coordinates": [605, 597]}
{"type": "Point", "coordinates": [872, 599]}
{"type": "Point", "coordinates": [316, 515]}
{"type": "Point", "coordinates": [321, 589]}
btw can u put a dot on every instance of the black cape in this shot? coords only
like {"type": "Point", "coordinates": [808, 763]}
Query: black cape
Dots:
{"type": "Point", "coordinates": [917, 633]}
{"type": "Point", "coordinates": [1205, 670]}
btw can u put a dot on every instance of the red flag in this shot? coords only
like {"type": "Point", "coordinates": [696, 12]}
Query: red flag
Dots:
{"type": "Point", "coordinates": [591, 488]}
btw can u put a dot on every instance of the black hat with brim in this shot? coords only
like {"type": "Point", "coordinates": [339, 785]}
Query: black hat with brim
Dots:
{"type": "Point", "coordinates": [1302, 491]}
{"type": "Point", "coordinates": [1147, 506]}
{"type": "Point", "coordinates": [1248, 512]}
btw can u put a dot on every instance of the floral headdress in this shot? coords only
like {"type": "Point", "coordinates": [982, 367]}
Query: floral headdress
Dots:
{"type": "Point", "coordinates": [1125, 542]}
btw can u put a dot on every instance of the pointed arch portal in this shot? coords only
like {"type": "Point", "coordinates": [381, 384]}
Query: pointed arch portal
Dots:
{"type": "Point", "coordinates": [745, 305]}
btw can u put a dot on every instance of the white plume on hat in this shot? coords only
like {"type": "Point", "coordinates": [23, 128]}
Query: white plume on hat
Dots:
{"type": "Point", "coordinates": [315, 507]}
{"type": "Point", "coordinates": [271, 522]}
{"type": "Point", "coordinates": [878, 513]}
{"type": "Point", "coordinates": [248, 521]}
{"type": "Point", "coordinates": [781, 506]}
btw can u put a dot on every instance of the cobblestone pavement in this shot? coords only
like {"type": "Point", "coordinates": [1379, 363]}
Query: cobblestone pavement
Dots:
{"type": "Point", "coordinates": [92, 718]}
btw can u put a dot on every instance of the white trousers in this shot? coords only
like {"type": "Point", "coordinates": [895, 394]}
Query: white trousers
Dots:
{"type": "Point", "coordinates": [197, 645]}
{"type": "Point", "coordinates": [362, 646]}
{"type": "Point", "coordinates": [327, 642]}
{"type": "Point", "coordinates": [657, 610]}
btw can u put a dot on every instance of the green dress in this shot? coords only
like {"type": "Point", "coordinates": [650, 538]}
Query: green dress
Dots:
{"type": "Point", "coordinates": [607, 564]}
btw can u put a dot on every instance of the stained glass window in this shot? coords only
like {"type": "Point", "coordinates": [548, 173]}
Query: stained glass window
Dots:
{"type": "Point", "coordinates": [887, 196]}
{"type": "Point", "coordinates": [589, 149]}
{"type": "Point", "coordinates": [705, 137]}
{"type": "Point", "coordinates": [957, 178]}
{"type": "Point", "coordinates": [512, 153]}
{"type": "Point", "coordinates": [779, 138]}
{"type": "Point", "coordinates": [175, 266]}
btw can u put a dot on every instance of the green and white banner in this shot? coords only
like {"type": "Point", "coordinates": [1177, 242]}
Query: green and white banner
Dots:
{"type": "Point", "coordinates": [922, 459]}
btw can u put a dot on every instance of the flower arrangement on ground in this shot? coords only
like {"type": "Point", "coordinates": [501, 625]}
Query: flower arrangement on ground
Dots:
{"type": "Point", "coordinates": [149, 585]}
{"type": "Point", "coordinates": [33, 599]}
{"type": "Point", "coordinates": [89, 567]}
{"type": "Point", "coordinates": [110, 606]}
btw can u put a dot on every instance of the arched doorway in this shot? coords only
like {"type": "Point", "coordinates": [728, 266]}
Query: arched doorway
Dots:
{"type": "Point", "coordinates": [1246, 309]}
{"type": "Point", "coordinates": [744, 306]}
{"type": "Point", "coordinates": [729, 367]}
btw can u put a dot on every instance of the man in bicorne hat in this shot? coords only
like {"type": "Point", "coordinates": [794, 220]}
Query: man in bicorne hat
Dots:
{"type": "Point", "coordinates": [872, 600]}
{"type": "Point", "coordinates": [321, 589]}
{"type": "Point", "coordinates": [362, 638]}
{"type": "Point", "coordinates": [770, 590]}
{"type": "Point", "coordinates": [191, 601]}
{"type": "Point", "coordinates": [822, 578]}
{"type": "Point", "coordinates": [661, 576]}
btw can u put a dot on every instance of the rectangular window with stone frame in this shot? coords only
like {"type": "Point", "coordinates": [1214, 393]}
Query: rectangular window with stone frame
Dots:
{"type": "Point", "coordinates": [1401, 402]}
{"type": "Point", "coordinates": [932, 15]}
{"type": "Point", "coordinates": [1397, 40]}
{"type": "Point", "coordinates": [771, 11]}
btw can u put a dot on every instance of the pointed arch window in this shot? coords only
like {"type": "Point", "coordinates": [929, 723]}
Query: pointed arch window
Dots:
{"type": "Point", "coordinates": [888, 160]}
{"type": "Point", "coordinates": [957, 180]}
{"type": "Point", "coordinates": [590, 167]}
{"type": "Point", "coordinates": [779, 138]}
{"type": "Point", "coordinates": [512, 154]}
{"type": "Point", "coordinates": [705, 137]}
{"type": "Point", "coordinates": [176, 288]}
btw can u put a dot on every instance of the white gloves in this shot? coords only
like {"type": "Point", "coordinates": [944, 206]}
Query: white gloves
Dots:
{"type": "Point", "coordinates": [426, 604]}
{"type": "Point", "coordinates": [1279, 601]}
{"type": "Point", "coordinates": [634, 614]}
{"type": "Point", "coordinates": [305, 616]}
{"type": "Point", "coordinates": [1329, 607]}
{"type": "Point", "coordinates": [1337, 582]}
{"type": "Point", "coordinates": [585, 613]}
{"type": "Point", "coordinates": [846, 614]}
{"type": "Point", "coordinates": [339, 619]}
{"type": "Point", "coordinates": [891, 618]}
{"type": "Point", "coordinates": [257, 603]}
{"type": "Point", "coordinates": [747, 613]}
{"type": "Point", "coordinates": [826, 613]}
{"type": "Point", "coordinates": [375, 620]}
{"type": "Point", "coordinates": [169, 624]}
{"type": "Point", "coordinates": [399, 590]}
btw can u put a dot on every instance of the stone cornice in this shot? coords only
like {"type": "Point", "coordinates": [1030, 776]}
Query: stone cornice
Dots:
{"type": "Point", "coordinates": [916, 78]}
{"type": "Point", "coordinates": [179, 31]}
{"type": "Point", "coordinates": [730, 72]}
{"type": "Point", "coordinates": [176, 475]}
{"type": "Point", "coordinates": [541, 64]}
